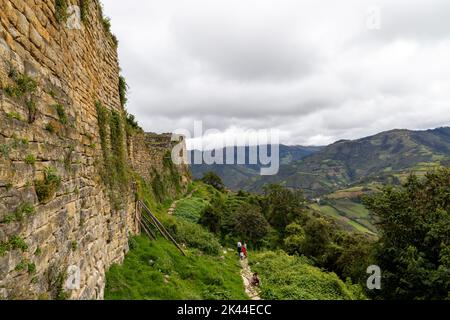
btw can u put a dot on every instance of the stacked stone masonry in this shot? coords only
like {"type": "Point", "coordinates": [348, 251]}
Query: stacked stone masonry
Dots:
{"type": "Point", "coordinates": [73, 68]}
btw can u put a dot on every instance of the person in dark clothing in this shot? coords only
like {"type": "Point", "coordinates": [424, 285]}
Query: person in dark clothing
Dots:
{"type": "Point", "coordinates": [255, 280]}
{"type": "Point", "coordinates": [239, 248]}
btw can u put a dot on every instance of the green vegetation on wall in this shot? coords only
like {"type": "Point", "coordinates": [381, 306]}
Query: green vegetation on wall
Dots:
{"type": "Point", "coordinates": [47, 187]}
{"type": "Point", "coordinates": [115, 171]}
{"type": "Point", "coordinates": [123, 89]}
{"type": "Point", "coordinates": [24, 90]}
{"type": "Point", "coordinates": [84, 10]}
{"type": "Point", "coordinates": [61, 7]}
{"type": "Point", "coordinates": [22, 211]}
{"type": "Point", "coordinates": [14, 243]}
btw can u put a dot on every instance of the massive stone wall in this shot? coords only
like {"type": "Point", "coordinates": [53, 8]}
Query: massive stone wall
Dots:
{"type": "Point", "coordinates": [54, 125]}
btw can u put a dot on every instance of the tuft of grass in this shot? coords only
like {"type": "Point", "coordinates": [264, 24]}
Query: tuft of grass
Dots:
{"type": "Point", "coordinates": [38, 252]}
{"type": "Point", "coordinates": [31, 268]}
{"type": "Point", "coordinates": [4, 151]}
{"type": "Point", "coordinates": [156, 270]}
{"type": "Point", "coordinates": [46, 188]}
{"type": "Point", "coordinates": [21, 266]}
{"type": "Point", "coordinates": [61, 113]}
{"type": "Point", "coordinates": [17, 243]}
{"type": "Point", "coordinates": [23, 84]}
{"type": "Point", "coordinates": [30, 159]}
{"type": "Point", "coordinates": [24, 88]}
{"type": "Point", "coordinates": [14, 243]}
{"type": "Point", "coordinates": [15, 115]}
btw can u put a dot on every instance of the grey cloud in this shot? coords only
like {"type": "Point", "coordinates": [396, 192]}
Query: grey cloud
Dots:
{"type": "Point", "coordinates": [309, 68]}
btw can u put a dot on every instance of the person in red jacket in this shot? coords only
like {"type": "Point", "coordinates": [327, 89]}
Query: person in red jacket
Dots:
{"type": "Point", "coordinates": [244, 250]}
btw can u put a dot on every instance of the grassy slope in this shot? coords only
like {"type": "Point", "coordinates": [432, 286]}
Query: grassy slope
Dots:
{"type": "Point", "coordinates": [190, 208]}
{"type": "Point", "coordinates": [155, 270]}
{"type": "Point", "coordinates": [285, 277]}
{"type": "Point", "coordinates": [143, 275]}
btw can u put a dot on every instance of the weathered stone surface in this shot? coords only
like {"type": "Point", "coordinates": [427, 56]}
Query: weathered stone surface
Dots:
{"type": "Point", "coordinates": [73, 68]}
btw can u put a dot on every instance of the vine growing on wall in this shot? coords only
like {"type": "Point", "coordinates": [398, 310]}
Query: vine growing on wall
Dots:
{"type": "Point", "coordinates": [61, 7]}
{"type": "Point", "coordinates": [115, 171]}
{"type": "Point", "coordinates": [84, 10]}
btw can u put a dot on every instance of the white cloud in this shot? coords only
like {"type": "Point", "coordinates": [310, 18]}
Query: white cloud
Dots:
{"type": "Point", "coordinates": [308, 68]}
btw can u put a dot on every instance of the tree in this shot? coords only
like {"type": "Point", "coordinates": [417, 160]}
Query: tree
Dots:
{"type": "Point", "coordinates": [295, 238]}
{"type": "Point", "coordinates": [249, 224]}
{"type": "Point", "coordinates": [282, 206]}
{"type": "Point", "coordinates": [214, 180]}
{"type": "Point", "coordinates": [211, 216]}
{"type": "Point", "coordinates": [414, 245]}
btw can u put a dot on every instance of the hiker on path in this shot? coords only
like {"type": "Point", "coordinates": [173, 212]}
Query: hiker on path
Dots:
{"type": "Point", "coordinates": [239, 248]}
{"type": "Point", "coordinates": [244, 250]}
{"type": "Point", "coordinates": [255, 280]}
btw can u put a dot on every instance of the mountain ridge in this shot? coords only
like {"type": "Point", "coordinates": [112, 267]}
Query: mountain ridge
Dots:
{"type": "Point", "coordinates": [384, 157]}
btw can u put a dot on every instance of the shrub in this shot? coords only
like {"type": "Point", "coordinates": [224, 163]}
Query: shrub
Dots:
{"type": "Point", "coordinates": [285, 277]}
{"type": "Point", "coordinates": [132, 125]}
{"type": "Point", "coordinates": [23, 84]}
{"type": "Point", "coordinates": [214, 180]}
{"type": "Point", "coordinates": [46, 188]}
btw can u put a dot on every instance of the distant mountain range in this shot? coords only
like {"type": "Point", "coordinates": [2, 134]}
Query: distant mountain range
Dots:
{"type": "Point", "coordinates": [385, 157]}
{"type": "Point", "coordinates": [237, 176]}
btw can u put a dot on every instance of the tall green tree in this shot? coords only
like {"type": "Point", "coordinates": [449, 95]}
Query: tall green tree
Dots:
{"type": "Point", "coordinates": [414, 246]}
{"type": "Point", "coordinates": [249, 224]}
{"type": "Point", "coordinates": [282, 206]}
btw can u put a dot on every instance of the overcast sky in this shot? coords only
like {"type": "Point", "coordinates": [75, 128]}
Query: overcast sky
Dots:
{"type": "Point", "coordinates": [319, 70]}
